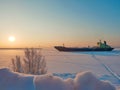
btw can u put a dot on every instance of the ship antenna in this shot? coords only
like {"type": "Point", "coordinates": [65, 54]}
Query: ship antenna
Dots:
{"type": "Point", "coordinates": [63, 44]}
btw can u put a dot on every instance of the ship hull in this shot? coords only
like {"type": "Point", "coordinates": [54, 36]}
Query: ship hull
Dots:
{"type": "Point", "coordinates": [70, 49]}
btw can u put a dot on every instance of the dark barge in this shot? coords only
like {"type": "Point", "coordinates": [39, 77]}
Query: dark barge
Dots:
{"type": "Point", "coordinates": [101, 47]}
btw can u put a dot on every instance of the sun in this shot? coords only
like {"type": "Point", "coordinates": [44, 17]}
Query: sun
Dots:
{"type": "Point", "coordinates": [11, 38]}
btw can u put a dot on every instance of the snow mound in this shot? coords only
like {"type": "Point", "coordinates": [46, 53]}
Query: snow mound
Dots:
{"type": "Point", "coordinates": [83, 81]}
{"type": "Point", "coordinates": [15, 81]}
{"type": "Point", "coordinates": [50, 82]}
{"type": "Point", "coordinates": [87, 81]}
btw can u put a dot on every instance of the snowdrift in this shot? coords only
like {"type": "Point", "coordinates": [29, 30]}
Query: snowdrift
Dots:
{"type": "Point", "coordinates": [15, 81]}
{"type": "Point", "coordinates": [83, 81]}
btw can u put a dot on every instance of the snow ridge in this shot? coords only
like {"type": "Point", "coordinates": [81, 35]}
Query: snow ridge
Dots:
{"type": "Point", "coordinates": [83, 81]}
{"type": "Point", "coordinates": [107, 68]}
{"type": "Point", "coordinates": [113, 73]}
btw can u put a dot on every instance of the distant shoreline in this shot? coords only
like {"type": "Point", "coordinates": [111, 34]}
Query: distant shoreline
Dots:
{"type": "Point", "coordinates": [16, 48]}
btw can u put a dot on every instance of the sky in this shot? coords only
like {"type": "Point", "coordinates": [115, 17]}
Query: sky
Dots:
{"type": "Point", "coordinates": [47, 23]}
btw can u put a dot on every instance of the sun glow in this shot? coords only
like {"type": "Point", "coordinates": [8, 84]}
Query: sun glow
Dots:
{"type": "Point", "coordinates": [11, 38]}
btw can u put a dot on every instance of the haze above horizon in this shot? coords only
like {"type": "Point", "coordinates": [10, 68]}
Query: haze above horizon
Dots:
{"type": "Point", "coordinates": [41, 23]}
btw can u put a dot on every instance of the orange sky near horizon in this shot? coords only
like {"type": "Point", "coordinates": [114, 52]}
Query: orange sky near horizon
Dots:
{"type": "Point", "coordinates": [48, 44]}
{"type": "Point", "coordinates": [46, 23]}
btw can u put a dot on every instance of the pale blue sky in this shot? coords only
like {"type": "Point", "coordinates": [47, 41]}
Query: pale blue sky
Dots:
{"type": "Point", "coordinates": [53, 22]}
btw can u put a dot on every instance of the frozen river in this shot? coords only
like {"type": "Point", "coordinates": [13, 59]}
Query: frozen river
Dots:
{"type": "Point", "coordinates": [106, 65]}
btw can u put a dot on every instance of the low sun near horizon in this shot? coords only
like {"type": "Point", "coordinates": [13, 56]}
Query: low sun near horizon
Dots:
{"type": "Point", "coordinates": [11, 38]}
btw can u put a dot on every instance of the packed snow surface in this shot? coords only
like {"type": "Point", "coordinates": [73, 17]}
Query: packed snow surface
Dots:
{"type": "Point", "coordinates": [82, 81]}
